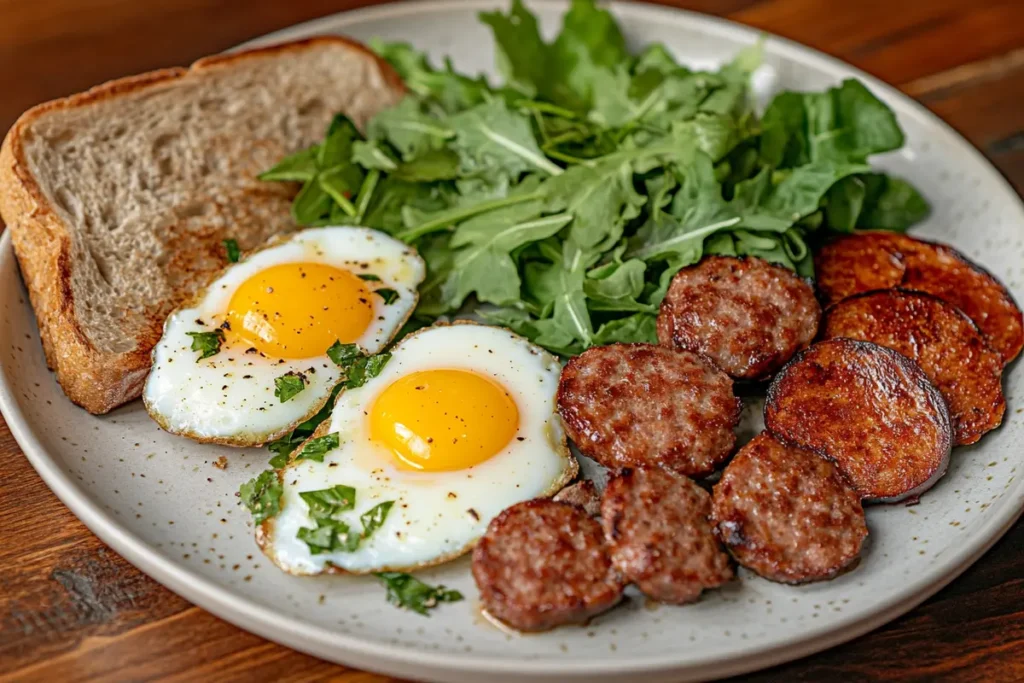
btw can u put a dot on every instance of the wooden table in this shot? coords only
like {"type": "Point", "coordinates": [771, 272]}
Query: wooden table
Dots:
{"type": "Point", "coordinates": [72, 609]}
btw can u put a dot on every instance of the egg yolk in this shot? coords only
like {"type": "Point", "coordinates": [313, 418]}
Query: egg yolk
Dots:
{"type": "Point", "coordinates": [298, 310]}
{"type": "Point", "coordinates": [439, 420]}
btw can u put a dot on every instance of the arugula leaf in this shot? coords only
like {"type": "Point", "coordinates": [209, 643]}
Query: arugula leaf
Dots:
{"type": "Point", "coordinates": [714, 134]}
{"type": "Point", "coordinates": [340, 184]}
{"type": "Point", "coordinates": [207, 343]}
{"type": "Point", "coordinates": [698, 210]}
{"type": "Point", "coordinates": [559, 284]}
{"type": "Point", "coordinates": [374, 518]}
{"type": "Point", "coordinates": [656, 58]}
{"type": "Point", "coordinates": [492, 135]}
{"type": "Point", "coordinates": [638, 328]}
{"type": "Point", "coordinates": [405, 590]}
{"type": "Point", "coordinates": [600, 197]}
{"type": "Point", "coordinates": [590, 42]}
{"type": "Point", "coordinates": [374, 155]}
{"type": "Point", "coordinates": [891, 204]}
{"type": "Point", "coordinates": [841, 125]}
{"type": "Point", "coordinates": [617, 287]}
{"type": "Point", "coordinates": [315, 449]}
{"type": "Point", "coordinates": [801, 192]}
{"type": "Point", "coordinates": [262, 495]}
{"type": "Point", "coordinates": [279, 460]}
{"type": "Point", "coordinates": [298, 167]}
{"type": "Point", "coordinates": [844, 202]}
{"type": "Point", "coordinates": [409, 129]}
{"type": "Point", "coordinates": [520, 51]}
{"type": "Point", "coordinates": [336, 149]}
{"type": "Point", "coordinates": [450, 90]}
{"type": "Point", "coordinates": [289, 385]}
{"type": "Point", "coordinates": [440, 259]}
{"type": "Point", "coordinates": [368, 277]}
{"type": "Point", "coordinates": [232, 250]}
{"type": "Point", "coordinates": [425, 224]}
{"type": "Point", "coordinates": [389, 296]}
{"type": "Point", "coordinates": [311, 204]}
{"type": "Point", "coordinates": [484, 244]}
{"type": "Point", "coordinates": [438, 164]}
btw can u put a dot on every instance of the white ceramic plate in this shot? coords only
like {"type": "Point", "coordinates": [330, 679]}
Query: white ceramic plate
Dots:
{"type": "Point", "coordinates": [159, 501]}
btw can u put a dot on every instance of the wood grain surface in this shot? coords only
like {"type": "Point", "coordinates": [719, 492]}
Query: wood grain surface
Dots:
{"type": "Point", "coordinates": [71, 609]}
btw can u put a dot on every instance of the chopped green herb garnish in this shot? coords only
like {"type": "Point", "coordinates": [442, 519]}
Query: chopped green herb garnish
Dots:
{"type": "Point", "coordinates": [329, 536]}
{"type": "Point", "coordinates": [365, 368]}
{"type": "Point", "coordinates": [373, 518]}
{"type": "Point", "coordinates": [289, 442]}
{"type": "Point", "coordinates": [405, 590]}
{"type": "Point", "coordinates": [343, 354]}
{"type": "Point", "coordinates": [262, 495]}
{"type": "Point", "coordinates": [316, 448]}
{"type": "Point", "coordinates": [369, 277]}
{"type": "Point", "coordinates": [287, 386]}
{"type": "Point", "coordinates": [207, 343]}
{"type": "Point", "coordinates": [326, 502]}
{"type": "Point", "coordinates": [390, 296]}
{"type": "Point", "coordinates": [231, 246]}
{"type": "Point", "coordinates": [358, 368]}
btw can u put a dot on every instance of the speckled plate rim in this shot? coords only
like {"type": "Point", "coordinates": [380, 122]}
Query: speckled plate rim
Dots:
{"type": "Point", "coordinates": [400, 661]}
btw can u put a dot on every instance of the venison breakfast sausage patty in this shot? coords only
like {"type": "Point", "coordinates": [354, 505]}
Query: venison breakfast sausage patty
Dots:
{"type": "Point", "coordinates": [942, 340]}
{"type": "Point", "coordinates": [658, 526]}
{"type": "Point", "coordinates": [869, 409]}
{"type": "Point", "coordinates": [745, 314]}
{"type": "Point", "coordinates": [631, 405]}
{"type": "Point", "coordinates": [788, 514]}
{"type": "Point", "coordinates": [880, 260]}
{"type": "Point", "coordinates": [542, 564]}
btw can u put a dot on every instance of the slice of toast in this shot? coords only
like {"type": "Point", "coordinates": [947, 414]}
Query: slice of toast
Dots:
{"type": "Point", "coordinates": [118, 199]}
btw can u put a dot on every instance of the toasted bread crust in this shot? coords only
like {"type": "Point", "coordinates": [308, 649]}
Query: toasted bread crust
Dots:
{"type": "Point", "coordinates": [94, 379]}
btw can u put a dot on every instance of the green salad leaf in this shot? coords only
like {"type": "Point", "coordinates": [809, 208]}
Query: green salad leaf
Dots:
{"type": "Point", "coordinates": [565, 199]}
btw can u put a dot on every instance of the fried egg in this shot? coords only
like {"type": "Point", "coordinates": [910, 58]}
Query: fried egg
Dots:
{"type": "Point", "coordinates": [459, 425]}
{"type": "Point", "coordinates": [247, 361]}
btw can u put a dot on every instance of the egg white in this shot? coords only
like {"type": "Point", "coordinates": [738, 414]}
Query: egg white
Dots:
{"type": "Point", "coordinates": [229, 398]}
{"type": "Point", "coordinates": [437, 516]}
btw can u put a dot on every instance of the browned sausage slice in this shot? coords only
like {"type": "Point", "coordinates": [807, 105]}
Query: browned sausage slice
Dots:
{"type": "Point", "coordinates": [943, 341]}
{"type": "Point", "coordinates": [745, 314]}
{"type": "Point", "coordinates": [869, 409]}
{"type": "Point", "coordinates": [629, 405]}
{"type": "Point", "coordinates": [542, 564]}
{"type": "Point", "coordinates": [658, 526]}
{"type": "Point", "coordinates": [583, 494]}
{"type": "Point", "coordinates": [788, 514]}
{"type": "Point", "coordinates": [880, 260]}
